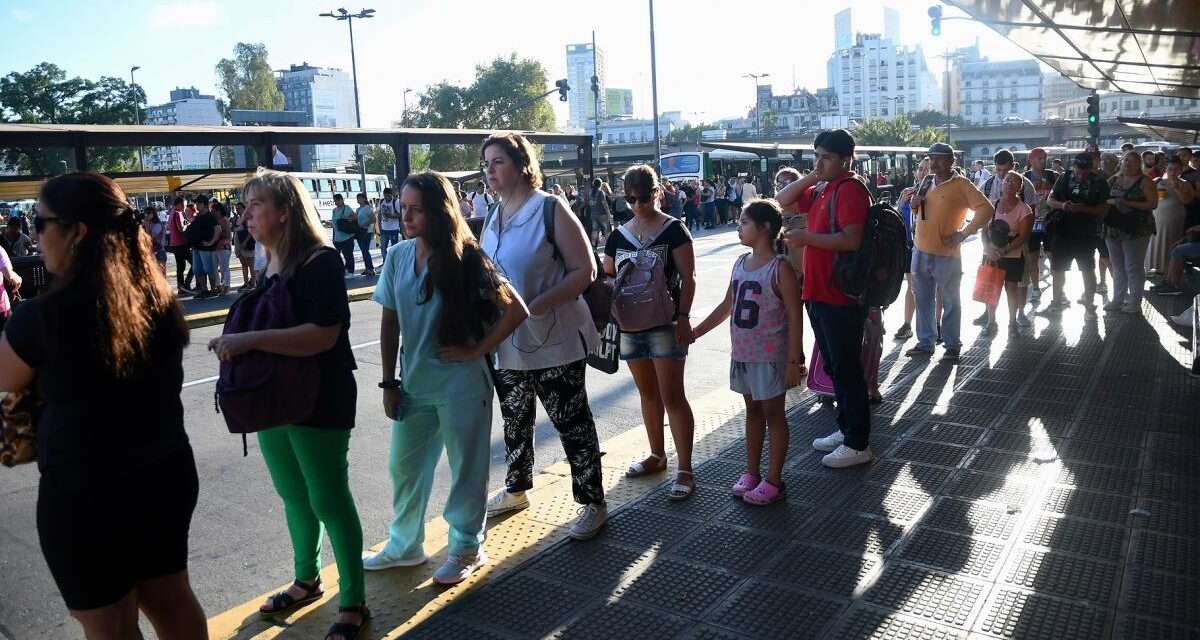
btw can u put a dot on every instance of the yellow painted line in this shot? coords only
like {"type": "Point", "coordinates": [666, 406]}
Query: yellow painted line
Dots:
{"type": "Point", "coordinates": [217, 316]}
{"type": "Point", "coordinates": [403, 598]}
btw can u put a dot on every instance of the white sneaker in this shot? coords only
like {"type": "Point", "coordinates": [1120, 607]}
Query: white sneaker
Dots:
{"type": "Point", "coordinates": [381, 560]}
{"type": "Point", "coordinates": [829, 442]}
{"type": "Point", "coordinates": [844, 456]}
{"type": "Point", "coordinates": [502, 502]}
{"type": "Point", "coordinates": [591, 519]}
{"type": "Point", "coordinates": [459, 568]}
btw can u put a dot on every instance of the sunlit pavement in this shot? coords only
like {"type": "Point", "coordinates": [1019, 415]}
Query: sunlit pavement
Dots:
{"type": "Point", "coordinates": [1044, 486]}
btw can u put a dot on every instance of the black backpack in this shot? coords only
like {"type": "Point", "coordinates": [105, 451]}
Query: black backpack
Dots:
{"type": "Point", "coordinates": [872, 275]}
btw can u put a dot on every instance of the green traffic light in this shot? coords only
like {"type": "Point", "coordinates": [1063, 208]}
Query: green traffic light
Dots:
{"type": "Point", "coordinates": [937, 31]}
{"type": "Point", "coordinates": [1092, 119]}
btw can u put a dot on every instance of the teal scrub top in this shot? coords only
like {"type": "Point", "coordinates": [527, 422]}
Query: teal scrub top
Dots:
{"type": "Point", "coordinates": [424, 374]}
{"type": "Point", "coordinates": [340, 212]}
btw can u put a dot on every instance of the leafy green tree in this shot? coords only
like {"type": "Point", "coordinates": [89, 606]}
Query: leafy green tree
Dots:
{"type": "Point", "coordinates": [897, 132]}
{"type": "Point", "coordinates": [44, 94]}
{"type": "Point", "coordinates": [932, 118]}
{"type": "Point", "coordinates": [688, 133]}
{"type": "Point", "coordinates": [247, 80]}
{"type": "Point", "coordinates": [381, 159]}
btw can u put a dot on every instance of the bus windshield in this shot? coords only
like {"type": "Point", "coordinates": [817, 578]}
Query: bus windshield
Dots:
{"type": "Point", "coordinates": [679, 164]}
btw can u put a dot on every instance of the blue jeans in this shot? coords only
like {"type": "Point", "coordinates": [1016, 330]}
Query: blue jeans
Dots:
{"type": "Point", "coordinates": [364, 245]}
{"type": "Point", "coordinates": [838, 331]}
{"type": "Point", "coordinates": [710, 213]}
{"type": "Point", "coordinates": [388, 238]}
{"type": "Point", "coordinates": [929, 274]}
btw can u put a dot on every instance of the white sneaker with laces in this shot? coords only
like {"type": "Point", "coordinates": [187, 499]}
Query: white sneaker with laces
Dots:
{"type": "Point", "coordinates": [844, 456]}
{"type": "Point", "coordinates": [829, 442]}
{"type": "Point", "coordinates": [591, 519]}
{"type": "Point", "coordinates": [381, 560]}
{"type": "Point", "coordinates": [502, 502]}
{"type": "Point", "coordinates": [459, 567]}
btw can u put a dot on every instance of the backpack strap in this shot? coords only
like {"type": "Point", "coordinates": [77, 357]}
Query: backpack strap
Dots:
{"type": "Point", "coordinates": [549, 206]}
{"type": "Point", "coordinates": [833, 201]}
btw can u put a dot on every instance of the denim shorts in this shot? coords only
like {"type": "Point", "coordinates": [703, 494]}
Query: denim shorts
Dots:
{"type": "Point", "coordinates": [655, 343]}
{"type": "Point", "coordinates": [203, 262]}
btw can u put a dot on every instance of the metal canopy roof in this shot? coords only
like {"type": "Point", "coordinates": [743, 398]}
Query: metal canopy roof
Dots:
{"type": "Point", "coordinates": [155, 182]}
{"type": "Point", "coordinates": [766, 149]}
{"type": "Point", "coordinates": [1178, 131]}
{"type": "Point", "coordinates": [1136, 46]}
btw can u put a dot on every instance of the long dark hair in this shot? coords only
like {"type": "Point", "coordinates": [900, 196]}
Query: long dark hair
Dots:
{"type": "Point", "coordinates": [457, 268]}
{"type": "Point", "coordinates": [113, 271]}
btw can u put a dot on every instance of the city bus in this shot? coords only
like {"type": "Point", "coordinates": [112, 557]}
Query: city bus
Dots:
{"type": "Point", "coordinates": [703, 165]}
{"type": "Point", "coordinates": [321, 187]}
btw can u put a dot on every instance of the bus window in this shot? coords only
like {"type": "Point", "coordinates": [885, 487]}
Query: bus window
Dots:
{"type": "Point", "coordinates": [332, 186]}
{"type": "Point", "coordinates": [313, 186]}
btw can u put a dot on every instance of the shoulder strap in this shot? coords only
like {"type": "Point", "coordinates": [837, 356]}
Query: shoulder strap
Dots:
{"type": "Point", "coordinates": [628, 235]}
{"type": "Point", "coordinates": [549, 206]}
{"type": "Point", "coordinates": [491, 212]}
{"type": "Point", "coordinates": [833, 201]}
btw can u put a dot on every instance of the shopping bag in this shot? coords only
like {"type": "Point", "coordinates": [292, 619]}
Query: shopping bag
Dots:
{"type": "Point", "coordinates": [819, 381]}
{"type": "Point", "coordinates": [989, 281]}
{"type": "Point", "coordinates": [606, 358]}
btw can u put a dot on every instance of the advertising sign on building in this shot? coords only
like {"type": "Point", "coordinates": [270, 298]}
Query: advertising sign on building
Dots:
{"type": "Point", "coordinates": [619, 102]}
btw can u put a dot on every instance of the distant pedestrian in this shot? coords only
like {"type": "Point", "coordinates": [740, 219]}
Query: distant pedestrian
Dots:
{"type": "Point", "coordinates": [365, 217]}
{"type": "Point", "coordinates": [708, 204]}
{"type": "Point", "coordinates": [243, 246]}
{"type": "Point", "coordinates": [177, 244]}
{"type": "Point", "coordinates": [104, 350]}
{"type": "Point", "coordinates": [1134, 196]}
{"type": "Point", "coordinates": [601, 212]}
{"type": "Point", "coordinates": [224, 246]}
{"type": "Point", "coordinates": [10, 280]}
{"type": "Point", "coordinates": [14, 241]}
{"type": "Point", "coordinates": [387, 213]}
{"type": "Point", "coordinates": [203, 234]}
{"type": "Point", "coordinates": [157, 232]}
{"type": "Point", "coordinates": [1080, 199]}
{"type": "Point", "coordinates": [345, 230]}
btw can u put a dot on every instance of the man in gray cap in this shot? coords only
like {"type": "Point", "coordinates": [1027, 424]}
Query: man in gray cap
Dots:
{"type": "Point", "coordinates": [939, 209]}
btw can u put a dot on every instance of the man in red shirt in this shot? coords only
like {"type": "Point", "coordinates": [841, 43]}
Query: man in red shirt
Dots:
{"type": "Point", "coordinates": [837, 320]}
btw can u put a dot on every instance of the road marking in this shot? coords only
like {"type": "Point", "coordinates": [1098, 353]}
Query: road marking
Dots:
{"type": "Point", "coordinates": [214, 378]}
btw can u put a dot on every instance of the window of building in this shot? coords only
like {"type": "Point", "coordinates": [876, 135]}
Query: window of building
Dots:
{"type": "Point", "coordinates": [985, 108]}
{"type": "Point", "coordinates": [1012, 107]}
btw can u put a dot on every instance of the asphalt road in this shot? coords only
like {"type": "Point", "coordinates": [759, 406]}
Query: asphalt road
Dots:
{"type": "Point", "coordinates": [239, 544]}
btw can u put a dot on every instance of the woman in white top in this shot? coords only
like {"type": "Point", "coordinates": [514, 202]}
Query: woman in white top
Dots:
{"type": "Point", "coordinates": [544, 357]}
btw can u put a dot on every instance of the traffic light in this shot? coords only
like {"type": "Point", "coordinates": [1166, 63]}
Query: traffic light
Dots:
{"type": "Point", "coordinates": [1093, 116]}
{"type": "Point", "coordinates": [935, 19]}
{"type": "Point", "coordinates": [595, 85]}
{"type": "Point", "coordinates": [563, 88]}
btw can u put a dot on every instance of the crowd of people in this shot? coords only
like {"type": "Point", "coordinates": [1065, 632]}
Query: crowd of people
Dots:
{"type": "Point", "coordinates": [482, 298]}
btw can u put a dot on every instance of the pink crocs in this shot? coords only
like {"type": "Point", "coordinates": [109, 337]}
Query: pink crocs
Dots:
{"type": "Point", "coordinates": [744, 484]}
{"type": "Point", "coordinates": [765, 493]}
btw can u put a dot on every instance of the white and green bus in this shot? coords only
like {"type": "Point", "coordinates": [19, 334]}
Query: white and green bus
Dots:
{"type": "Point", "coordinates": [321, 187]}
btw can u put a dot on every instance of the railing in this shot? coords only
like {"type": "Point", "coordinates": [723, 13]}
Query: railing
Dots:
{"type": "Point", "coordinates": [35, 279]}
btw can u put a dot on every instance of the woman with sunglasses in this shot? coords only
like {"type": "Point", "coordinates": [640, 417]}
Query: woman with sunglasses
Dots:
{"type": "Point", "coordinates": [656, 356]}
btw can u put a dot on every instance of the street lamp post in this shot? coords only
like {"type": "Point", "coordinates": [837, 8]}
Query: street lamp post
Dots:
{"type": "Point", "coordinates": [757, 104]}
{"type": "Point", "coordinates": [654, 91]}
{"type": "Point", "coordinates": [342, 14]}
{"type": "Point", "coordinates": [404, 116]}
{"type": "Point", "coordinates": [137, 114]}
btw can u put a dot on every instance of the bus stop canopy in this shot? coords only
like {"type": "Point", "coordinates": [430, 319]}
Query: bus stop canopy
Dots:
{"type": "Point", "coordinates": [218, 180]}
{"type": "Point", "coordinates": [769, 150]}
{"type": "Point", "coordinates": [1136, 46]}
{"type": "Point", "coordinates": [1183, 131]}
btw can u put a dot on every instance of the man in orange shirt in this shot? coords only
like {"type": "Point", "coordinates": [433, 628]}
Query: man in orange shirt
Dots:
{"type": "Point", "coordinates": [939, 209]}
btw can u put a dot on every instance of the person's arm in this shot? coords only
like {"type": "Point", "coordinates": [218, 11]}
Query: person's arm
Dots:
{"type": "Point", "coordinates": [576, 254]}
{"type": "Point", "coordinates": [11, 277]}
{"type": "Point", "coordinates": [790, 195]}
{"type": "Point", "coordinates": [389, 348]}
{"type": "Point", "coordinates": [610, 266]}
{"type": "Point", "coordinates": [1185, 191]}
{"type": "Point", "coordinates": [685, 265]}
{"type": "Point", "coordinates": [1149, 191]}
{"type": "Point", "coordinates": [512, 313]}
{"type": "Point", "coordinates": [983, 209]}
{"type": "Point", "coordinates": [789, 290]}
{"type": "Point", "coordinates": [216, 234]}
{"type": "Point", "coordinates": [300, 341]}
{"type": "Point", "coordinates": [848, 238]}
{"type": "Point", "coordinates": [716, 316]}
{"type": "Point", "coordinates": [15, 373]}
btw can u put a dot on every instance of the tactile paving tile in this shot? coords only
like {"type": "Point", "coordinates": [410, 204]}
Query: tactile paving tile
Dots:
{"type": "Point", "coordinates": [899, 410]}
{"type": "Point", "coordinates": [959, 434]}
{"type": "Point", "coordinates": [984, 385]}
{"type": "Point", "coordinates": [442, 625]}
{"type": "Point", "coordinates": [1184, 464]}
{"type": "Point", "coordinates": [982, 401]}
{"type": "Point", "coordinates": [721, 473]}
{"type": "Point", "coordinates": [964, 415]}
{"type": "Point", "coordinates": [976, 518]}
{"type": "Point", "coordinates": [892, 503]}
{"type": "Point", "coordinates": [1018, 614]}
{"type": "Point", "coordinates": [707, 502]}
{"type": "Point", "coordinates": [1129, 627]}
{"type": "Point", "coordinates": [1078, 503]}
{"type": "Point", "coordinates": [645, 529]}
{"type": "Point", "coordinates": [1117, 435]}
{"type": "Point", "coordinates": [953, 553]}
{"type": "Point", "coordinates": [1100, 454]}
{"type": "Point", "coordinates": [591, 564]}
{"type": "Point", "coordinates": [1179, 519]}
{"type": "Point", "coordinates": [1063, 575]}
{"type": "Point", "coordinates": [819, 487]}
{"type": "Point", "coordinates": [935, 453]}
{"type": "Point", "coordinates": [856, 533]}
{"type": "Point", "coordinates": [707, 632]}
{"type": "Point", "coordinates": [888, 426]}
{"type": "Point", "coordinates": [1108, 479]}
{"type": "Point", "coordinates": [1053, 381]}
{"type": "Point", "coordinates": [784, 518]}
{"type": "Point", "coordinates": [1168, 553]}
{"type": "Point", "coordinates": [1041, 408]}
{"type": "Point", "coordinates": [985, 486]}
{"type": "Point", "coordinates": [728, 548]}
{"type": "Point", "coordinates": [521, 604]}
{"type": "Point", "coordinates": [1162, 594]}
{"type": "Point", "coordinates": [1015, 441]}
{"type": "Point", "coordinates": [766, 611]}
{"type": "Point", "coordinates": [1159, 486]}
{"type": "Point", "coordinates": [820, 569]}
{"type": "Point", "coordinates": [684, 589]}
{"type": "Point", "coordinates": [621, 620]}
{"type": "Point", "coordinates": [1186, 444]}
{"type": "Point", "coordinates": [908, 475]}
{"type": "Point", "coordinates": [927, 594]}
{"type": "Point", "coordinates": [1001, 375]}
{"type": "Point", "coordinates": [1076, 536]}
{"type": "Point", "coordinates": [1106, 398]}
{"type": "Point", "coordinates": [876, 624]}
{"type": "Point", "coordinates": [1003, 463]}
{"type": "Point", "coordinates": [1039, 391]}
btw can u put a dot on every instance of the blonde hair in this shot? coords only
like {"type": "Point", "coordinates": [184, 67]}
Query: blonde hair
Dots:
{"type": "Point", "coordinates": [302, 232]}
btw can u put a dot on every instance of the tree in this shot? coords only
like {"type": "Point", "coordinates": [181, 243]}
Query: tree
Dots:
{"type": "Point", "coordinates": [247, 80]}
{"type": "Point", "coordinates": [505, 95]}
{"type": "Point", "coordinates": [44, 94]}
{"type": "Point", "coordinates": [897, 132]}
{"type": "Point", "coordinates": [932, 118]}
{"type": "Point", "coordinates": [688, 132]}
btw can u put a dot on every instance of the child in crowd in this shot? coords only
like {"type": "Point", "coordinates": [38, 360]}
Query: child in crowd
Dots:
{"type": "Point", "coordinates": [768, 353]}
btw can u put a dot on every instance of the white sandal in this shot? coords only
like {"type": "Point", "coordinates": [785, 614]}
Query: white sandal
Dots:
{"type": "Point", "coordinates": [680, 491]}
{"type": "Point", "coordinates": [639, 469]}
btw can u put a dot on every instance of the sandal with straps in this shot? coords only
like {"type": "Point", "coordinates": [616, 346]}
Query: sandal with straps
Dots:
{"type": "Point", "coordinates": [639, 469]}
{"type": "Point", "coordinates": [348, 630]}
{"type": "Point", "coordinates": [282, 603]}
{"type": "Point", "coordinates": [681, 491]}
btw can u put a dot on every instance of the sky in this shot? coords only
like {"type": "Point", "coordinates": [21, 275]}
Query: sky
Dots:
{"type": "Point", "coordinates": [704, 47]}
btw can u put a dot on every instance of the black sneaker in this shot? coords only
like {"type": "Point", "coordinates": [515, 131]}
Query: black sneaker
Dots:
{"type": "Point", "coordinates": [951, 353]}
{"type": "Point", "coordinates": [903, 333]}
{"type": "Point", "coordinates": [918, 352]}
{"type": "Point", "coordinates": [981, 321]}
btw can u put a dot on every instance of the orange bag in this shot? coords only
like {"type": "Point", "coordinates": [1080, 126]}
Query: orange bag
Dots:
{"type": "Point", "coordinates": [989, 282]}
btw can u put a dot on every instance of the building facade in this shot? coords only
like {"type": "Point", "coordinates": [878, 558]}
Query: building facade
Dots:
{"type": "Point", "coordinates": [187, 106]}
{"type": "Point", "coordinates": [1058, 88]}
{"type": "Point", "coordinates": [326, 96]}
{"type": "Point", "coordinates": [998, 92]}
{"type": "Point", "coordinates": [581, 102]}
{"type": "Point", "coordinates": [798, 111]}
{"type": "Point", "coordinates": [635, 130]}
{"type": "Point", "coordinates": [1127, 105]}
{"type": "Point", "coordinates": [877, 78]}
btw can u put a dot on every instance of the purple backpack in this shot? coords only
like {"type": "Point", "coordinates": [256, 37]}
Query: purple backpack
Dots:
{"type": "Point", "coordinates": [259, 390]}
{"type": "Point", "coordinates": [641, 299]}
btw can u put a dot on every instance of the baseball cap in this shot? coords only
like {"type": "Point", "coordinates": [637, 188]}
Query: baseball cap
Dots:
{"type": "Point", "coordinates": [940, 149]}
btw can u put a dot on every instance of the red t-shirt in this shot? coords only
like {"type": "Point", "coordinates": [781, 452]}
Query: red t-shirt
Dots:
{"type": "Point", "coordinates": [852, 205]}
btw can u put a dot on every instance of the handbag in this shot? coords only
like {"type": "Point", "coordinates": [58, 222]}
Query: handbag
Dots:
{"type": "Point", "coordinates": [18, 427]}
{"type": "Point", "coordinates": [989, 282]}
{"type": "Point", "coordinates": [1130, 222]}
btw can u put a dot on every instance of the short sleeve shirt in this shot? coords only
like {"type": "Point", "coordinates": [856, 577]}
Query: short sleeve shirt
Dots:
{"type": "Point", "coordinates": [341, 212]}
{"type": "Point", "coordinates": [673, 236]}
{"type": "Point", "coordinates": [5, 263]}
{"type": "Point", "coordinates": [1092, 191]}
{"type": "Point", "coordinates": [852, 204]}
{"type": "Point", "coordinates": [364, 214]}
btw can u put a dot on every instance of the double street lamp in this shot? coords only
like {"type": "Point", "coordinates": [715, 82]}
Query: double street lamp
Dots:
{"type": "Point", "coordinates": [342, 14]}
{"type": "Point", "coordinates": [757, 103]}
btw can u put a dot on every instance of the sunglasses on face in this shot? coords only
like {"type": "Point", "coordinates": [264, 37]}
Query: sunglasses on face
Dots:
{"type": "Point", "coordinates": [631, 199]}
{"type": "Point", "coordinates": [40, 222]}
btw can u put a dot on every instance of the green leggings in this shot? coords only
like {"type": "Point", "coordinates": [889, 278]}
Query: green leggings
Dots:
{"type": "Point", "coordinates": [309, 469]}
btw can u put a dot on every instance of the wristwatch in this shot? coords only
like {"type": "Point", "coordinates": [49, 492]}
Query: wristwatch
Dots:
{"type": "Point", "coordinates": [390, 384]}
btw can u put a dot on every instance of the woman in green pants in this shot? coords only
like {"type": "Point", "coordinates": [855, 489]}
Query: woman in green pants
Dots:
{"type": "Point", "coordinates": [307, 461]}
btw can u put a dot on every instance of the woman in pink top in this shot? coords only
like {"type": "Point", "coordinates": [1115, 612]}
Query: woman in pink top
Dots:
{"type": "Point", "coordinates": [8, 280]}
{"type": "Point", "coordinates": [1012, 210]}
{"type": "Point", "coordinates": [768, 351]}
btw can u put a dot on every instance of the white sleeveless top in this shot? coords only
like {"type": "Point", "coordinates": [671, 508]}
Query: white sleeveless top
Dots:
{"type": "Point", "coordinates": [758, 327]}
{"type": "Point", "coordinates": [522, 255]}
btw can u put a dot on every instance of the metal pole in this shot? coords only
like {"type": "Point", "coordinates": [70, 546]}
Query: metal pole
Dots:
{"type": "Point", "coordinates": [654, 91]}
{"type": "Point", "coordinates": [595, 97]}
{"type": "Point", "coordinates": [362, 161]}
{"type": "Point", "coordinates": [137, 115]}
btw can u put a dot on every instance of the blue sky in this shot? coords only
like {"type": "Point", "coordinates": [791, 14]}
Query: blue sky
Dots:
{"type": "Point", "coordinates": [703, 46]}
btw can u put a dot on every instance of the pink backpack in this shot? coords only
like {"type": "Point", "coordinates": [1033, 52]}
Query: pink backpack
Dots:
{"type": "Point", "coordinates": [640, 298]}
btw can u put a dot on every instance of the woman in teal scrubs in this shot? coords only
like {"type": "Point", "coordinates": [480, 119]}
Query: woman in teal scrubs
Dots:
{"type": "Point", "coordinates": [444, 296]}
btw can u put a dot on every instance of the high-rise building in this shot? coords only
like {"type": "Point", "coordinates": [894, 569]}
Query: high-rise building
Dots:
{"type": "Point", "coordinates": [187, 106]}
{"type": "Point", "coordinates": [843, 30]}
{"type": "Point", "coordinates": [952, 76]}
{"type": "Point", "coordinates": [327, 97]}
{"type": "Point", "coordinates": [581, 102]}
{"type": "Point", "coordinates": [878, 78]}
{"type": "Point", "coordinates": [994, 92]}
{"type": "Point", "coordinates": [891, 24]}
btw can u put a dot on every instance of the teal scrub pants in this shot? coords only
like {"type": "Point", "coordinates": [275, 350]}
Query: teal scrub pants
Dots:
{"type": "Point", "coordinates": [463, 427]}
